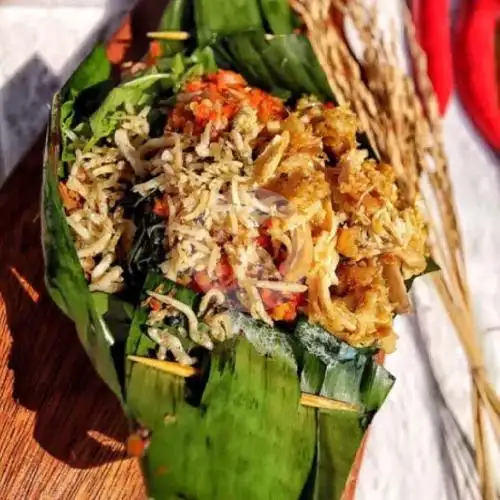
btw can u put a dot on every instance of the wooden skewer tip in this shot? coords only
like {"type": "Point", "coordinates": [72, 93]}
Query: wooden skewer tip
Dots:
{"type": "Point", "coordinates": [169, 35]}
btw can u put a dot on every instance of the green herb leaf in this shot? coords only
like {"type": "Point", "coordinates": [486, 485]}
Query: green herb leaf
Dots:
{"type": "Point", "coordinates": [136, 94]}
{"type": "Point", "coordinates": [95, 69]}
{"type": "Point", "coordinates": [146, 90]}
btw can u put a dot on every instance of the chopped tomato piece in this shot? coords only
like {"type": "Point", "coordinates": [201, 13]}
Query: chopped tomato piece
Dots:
{"type": "Point", "coordinates": [227, 78]}
{"type": "Point", "coordinates": [218, 98]}
{"type": "Point", "coordinates": [282, 306]}
{"type": "Point", "coordinates": [267, 224]}
{"type": "Point", "coordinates": [265, 242]}
{"type": "Point", "coordinates": [255, 97]}
{"type": "Point", "coordinates": [155, 305]}
{"type": "Point", "coordinates": [229, 110]}
{"type": "Point", "coordinates": [223, 281]}
{"type": "Point", "coordinates": [202, 110]}
{"type": "Point", "coordinates": [268, 107]}
{"type": "Point", "coordinates": [154, 52]}
{"type": "Point", "coordinates": [225, 274]}
{"type": "Point", "coordinates": [284, 312]}
{"type": "Point", "coordinates": [160, 207]}
{"type": "Point", "coordinates": [300, 299]}
{"type": "Point", "coordinates": [136, 446]}
{"type": "Point", "coordinates": [194, 85]}
{"type": "Point", "coordinates": [270, 298]}
{"type": "Point", "coordinates": [201, 281]}
{"type": "Point", "coordinates": [71, 200]}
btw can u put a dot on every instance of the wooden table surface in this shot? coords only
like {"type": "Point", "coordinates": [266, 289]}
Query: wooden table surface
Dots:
{"type": "Point", "coordinates": [61, 429]}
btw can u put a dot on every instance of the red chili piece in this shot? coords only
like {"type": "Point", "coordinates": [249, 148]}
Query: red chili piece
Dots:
{"type": "Point", "coordinates": [477, 66]}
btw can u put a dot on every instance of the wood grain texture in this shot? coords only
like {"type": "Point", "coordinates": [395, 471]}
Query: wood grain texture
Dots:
{"type": "Point", "coordinates": [61, 429]}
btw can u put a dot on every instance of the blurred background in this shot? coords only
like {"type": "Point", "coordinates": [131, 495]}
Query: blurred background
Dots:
{"type": "Point", "coordinates": [420, 444]}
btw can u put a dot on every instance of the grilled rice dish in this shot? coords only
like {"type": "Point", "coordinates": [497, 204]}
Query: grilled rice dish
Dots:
{"type": "Point", "coordinates": [265, 206]}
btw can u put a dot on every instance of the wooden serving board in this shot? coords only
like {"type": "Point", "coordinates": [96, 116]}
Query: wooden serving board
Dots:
{"type": "Point", "coordinates": [61, 429]}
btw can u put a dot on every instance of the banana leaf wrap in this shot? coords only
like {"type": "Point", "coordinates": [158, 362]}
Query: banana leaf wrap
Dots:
{"type": "Point", "coordinates": [237, 429]}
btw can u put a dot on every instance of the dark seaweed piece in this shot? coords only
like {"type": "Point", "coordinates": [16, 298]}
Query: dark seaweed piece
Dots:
{"type": "Point", "coordinates": [148, 250]}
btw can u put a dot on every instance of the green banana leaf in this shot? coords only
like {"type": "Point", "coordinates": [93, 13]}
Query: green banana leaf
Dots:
{"type": "Point", "coordinates": [339, 437]}
{"type": "Point", "coordinates": [178, 16]}
{"type": "Point", "coordinates": [281, 64]}
{"type": "Point", "coordinates": [215, 19]}
{"type": "Point", "coordinates": [64, 276]}
{"type": "Point", "coordinates": [256, 377]}
{"type": "Point", "coordinates": [334, 436]}
{"type": "Point", "coordinates": [247, 438]}
{"type": "Point", "coordinates": [237, 430]}
{"type": "Point", "coordinates": [84, 89]}
{"type": "Point", "coordinates": [278, 16]}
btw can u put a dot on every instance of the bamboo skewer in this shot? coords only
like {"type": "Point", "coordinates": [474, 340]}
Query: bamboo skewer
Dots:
{"type": "Point", "coordinates": [306, 399]}
{"type": "Point", "coordinates": [169, 35]}
{"type": "Point", "coordinates": [320, 402]}
{"type": "Point", "coordinates": [170, 367]}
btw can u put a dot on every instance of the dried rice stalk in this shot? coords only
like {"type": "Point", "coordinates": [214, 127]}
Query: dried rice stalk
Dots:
{"type": "Point", "coordinates": [401, 118]}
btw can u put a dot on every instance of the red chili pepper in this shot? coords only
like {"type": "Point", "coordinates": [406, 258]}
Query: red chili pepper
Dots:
{"type": "Point", "coordinates": [476, 64]}
{"type": "Point", "coordinates": [433, 30]}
